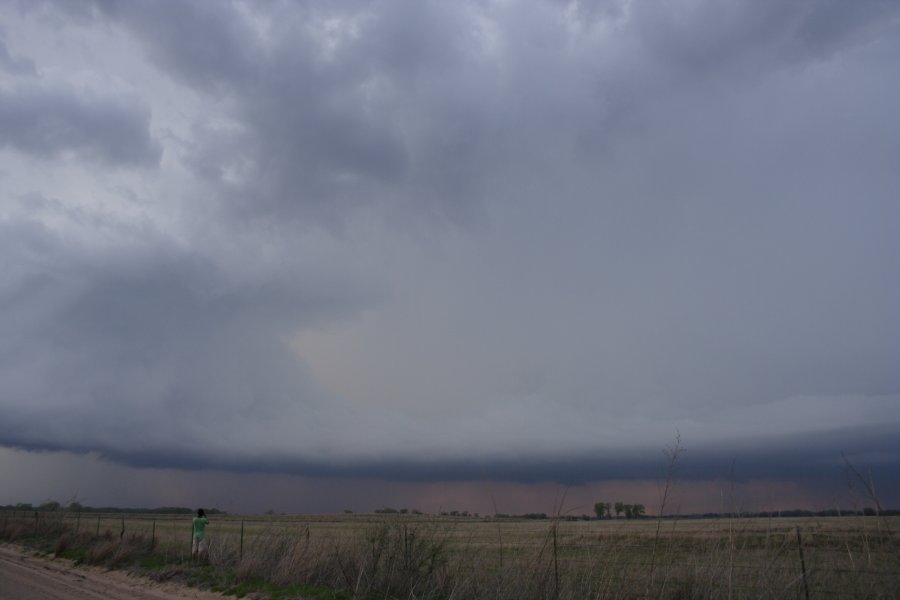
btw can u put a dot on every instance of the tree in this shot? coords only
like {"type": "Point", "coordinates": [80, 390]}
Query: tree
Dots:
{"type": "Point", "coordinates": [619, 508]}
{"type": "Point", "coordinates": [637, 511]}
{"type": "Point", "coordinates": [600, 509]}
{"type": "Point", "coordinates": [628, 508]}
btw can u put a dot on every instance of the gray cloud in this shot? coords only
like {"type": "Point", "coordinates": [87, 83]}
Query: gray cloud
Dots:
{"type": "Point", "coordinates": [712, 37]}
{"type": "Point", "coordinates": [51, 121]}
{"type": "Point", "coordinates": [334, 107]}
{"type": "Point", "coordinates": [15, 64]}
{"type": "Point", "coordinates": [206, 46]}
{"type": "Point", "coordinates": [139, 342]}
{"type": "Point", "coordinates": [414, 240]}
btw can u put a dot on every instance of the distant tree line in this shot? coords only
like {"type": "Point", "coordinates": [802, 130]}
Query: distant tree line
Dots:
{"type": "Point", "coordinates": [523, 516]}
{"type": "Point", "coordinates": [603, 510]}
{"type": "Point", "coordinates": [457, 513]}
{"type": "Point", "coordinates": [831, 512]}
{"type": "Point", "coordinates": [53, 506]}
{"type": "Point", "coordinates": [387, 510]}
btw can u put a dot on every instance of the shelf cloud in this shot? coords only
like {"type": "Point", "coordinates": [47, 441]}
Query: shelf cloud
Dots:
{"type": "Point", "coordinates": [427, 241]}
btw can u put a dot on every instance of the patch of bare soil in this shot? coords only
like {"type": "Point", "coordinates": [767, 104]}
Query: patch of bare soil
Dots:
{"type": "Point", "coordinates": [24, 576]}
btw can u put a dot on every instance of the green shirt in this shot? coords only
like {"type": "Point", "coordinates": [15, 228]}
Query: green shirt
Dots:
{"type": "Point", "coordinates": [200, 527]}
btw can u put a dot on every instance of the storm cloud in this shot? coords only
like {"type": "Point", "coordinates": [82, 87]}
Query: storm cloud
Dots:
{"type": "Point", "coordinates": [442, 241]}
{"type": "Point", "coordinates": [47, 123]}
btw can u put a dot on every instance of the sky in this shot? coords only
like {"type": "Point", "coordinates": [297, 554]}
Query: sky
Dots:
{"type": "Point", "coordinates": [487, 255]}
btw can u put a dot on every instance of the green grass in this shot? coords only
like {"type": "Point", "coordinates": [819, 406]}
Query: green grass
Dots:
{"type": "Point", "coordinates": [226, 581]}
{"type": "Point", "coordinates": [151, 562]}
{"type": "Point", "coordinates": [76, 555]}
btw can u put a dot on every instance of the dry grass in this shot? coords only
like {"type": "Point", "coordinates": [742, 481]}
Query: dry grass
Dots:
{"type": "Point", "coordinates": [440, 558]}
{"type": "Point", "coordinates": [430, 558]}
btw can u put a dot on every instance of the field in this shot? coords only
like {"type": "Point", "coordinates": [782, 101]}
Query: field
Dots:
{"type": "Point", "coordinates": [378, 556]}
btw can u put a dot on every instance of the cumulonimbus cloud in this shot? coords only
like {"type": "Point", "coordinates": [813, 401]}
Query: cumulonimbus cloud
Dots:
{"type": "Point", "coordinates": [47, 122]}
{"type": "Point", "coordinates": [507, 239]}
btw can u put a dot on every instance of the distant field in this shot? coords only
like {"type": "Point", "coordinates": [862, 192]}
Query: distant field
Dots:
{"type": "Point", "coordinates": [442, 557]}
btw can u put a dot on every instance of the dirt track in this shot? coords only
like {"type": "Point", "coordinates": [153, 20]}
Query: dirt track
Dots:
{"type": "Point", "coordinates": [25, 577]}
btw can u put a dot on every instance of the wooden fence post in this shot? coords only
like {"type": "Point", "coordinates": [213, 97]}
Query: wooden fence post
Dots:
{"type": "Point", "coordinates": [802, 564]}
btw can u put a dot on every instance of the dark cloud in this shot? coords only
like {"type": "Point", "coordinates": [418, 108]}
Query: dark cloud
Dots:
{"type": "Point", "coordinates": [354, 104]}
{"type": "Point", "coordinates": [208, 46]}
{"type": "Point", "coordinates": [150, 349]}
{"type": "Point", "coordinates": [15, 65]}
{"type": "Point", "coordinates": [736, 38]}
{"type": "Point", "coordinates": [340, 106]}
{"type": "Point", "coordinates": [835, 459]}
{"type": "Point", "coordinates": [668, 215]}
{"type": "Point", "coordinates": [48, 122]}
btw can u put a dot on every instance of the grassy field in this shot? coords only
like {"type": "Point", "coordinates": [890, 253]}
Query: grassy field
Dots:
{"type": "Point", "coordinates": [378, 556]}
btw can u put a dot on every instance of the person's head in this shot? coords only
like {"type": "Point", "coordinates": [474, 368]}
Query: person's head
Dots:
{"type": "Point", "coordinates": [200, 512]}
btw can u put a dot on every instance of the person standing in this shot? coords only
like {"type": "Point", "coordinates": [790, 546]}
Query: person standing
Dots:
{"type": "Point", "coordinates": [198, 545]}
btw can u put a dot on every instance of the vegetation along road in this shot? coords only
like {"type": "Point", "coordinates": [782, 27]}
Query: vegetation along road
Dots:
{"type": "Point", "coordinates": [25, 576]}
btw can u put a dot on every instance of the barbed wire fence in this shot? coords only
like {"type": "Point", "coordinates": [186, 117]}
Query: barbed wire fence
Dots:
{"type": "Point", "coordinates": [807, 561]}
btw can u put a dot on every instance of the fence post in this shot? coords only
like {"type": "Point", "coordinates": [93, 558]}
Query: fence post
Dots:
{"type": "Point", "coordinates": [98, 525]}
{"type": "Point", "coordinates": [153, 536]}
{"type": "Point", "coordinates": [802, 564]}
{"type": "Point", "coordinates": [241, 552]}
{"type": "Point", "coordinates": [555, 559]}
{"type": "Point", "coordinates": [122, 533]}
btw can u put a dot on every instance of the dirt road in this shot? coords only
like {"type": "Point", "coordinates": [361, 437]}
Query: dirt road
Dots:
{"type": "Point", "coordinates": [25, 577]}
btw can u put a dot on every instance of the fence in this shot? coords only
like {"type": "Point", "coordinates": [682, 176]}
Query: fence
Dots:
{"type": "Point", "coordinates": [806, 558]}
